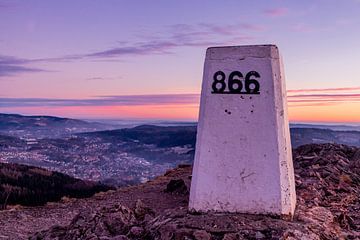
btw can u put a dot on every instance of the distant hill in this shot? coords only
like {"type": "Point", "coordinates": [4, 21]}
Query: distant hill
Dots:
{"type": "Point", "coordinates": [327, 126]}
{"type": "Point", "coordinates": [45, 126]}
{"type": "Point", "coordinates": [186, 135]}
{"type": "Point", "coordinates": [128, 156]}
{"type": "Point", "coordinates": [161, 133]}
{"type": "Point", "coordinates": [301, 136]}
{"type": "Point", "coordinates": [26, 185]}
{"type": "Point", "coordinates": [160, 136]}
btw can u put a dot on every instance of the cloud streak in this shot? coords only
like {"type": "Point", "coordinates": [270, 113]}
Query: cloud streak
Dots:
{"type": "Point", "coordinates": [10, 66]}
{"type": "Point", "coordinates": [324, 96]}
{"type": "Point", "coordinates": [324, 90]}
{"type": "Point", "coordinates": [303, 97]}
{"type": "Point", "coordinates": [10, 70]}
{"type": "Point", "coordinates": [124, 100]}
{"type": "Point", "coordinates": [172, 38]}
{"type": "Point", "coordinates": [179, 35]}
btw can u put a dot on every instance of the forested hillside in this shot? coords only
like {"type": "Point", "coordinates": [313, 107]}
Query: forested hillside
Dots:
{"type": "Point", "coordinates": [25, 185]}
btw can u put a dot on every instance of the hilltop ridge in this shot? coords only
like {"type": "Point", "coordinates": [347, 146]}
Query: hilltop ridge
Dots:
{"type": "Point", "coordinates": [41, 126]}
{"type": "Point", "coordinates": [327, 185]}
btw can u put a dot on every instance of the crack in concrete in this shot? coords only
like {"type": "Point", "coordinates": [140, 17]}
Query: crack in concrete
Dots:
{"type": "Point", "coordinates": [246, 176]}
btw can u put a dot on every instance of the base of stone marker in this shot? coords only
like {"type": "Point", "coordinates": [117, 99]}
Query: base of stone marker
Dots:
{"type": "Point", "coordinates": [285, 217]}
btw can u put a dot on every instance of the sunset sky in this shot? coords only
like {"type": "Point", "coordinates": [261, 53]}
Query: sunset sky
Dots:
{"type": "Point", "coordinates": [129, 59]}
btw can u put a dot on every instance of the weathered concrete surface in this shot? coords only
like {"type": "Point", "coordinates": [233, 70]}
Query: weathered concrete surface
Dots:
{"type": "Point", "coordinates": [243, 157]}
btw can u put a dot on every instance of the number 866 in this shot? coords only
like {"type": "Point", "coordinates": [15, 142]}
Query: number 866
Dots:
{"type": "Point", "coordinates": [235, 84]}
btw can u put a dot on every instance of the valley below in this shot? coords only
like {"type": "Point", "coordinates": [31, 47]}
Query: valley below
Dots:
{"type": "Point", "coordinates": [148, 171]}
{"type": "Point", "coordinates": [121, 156]}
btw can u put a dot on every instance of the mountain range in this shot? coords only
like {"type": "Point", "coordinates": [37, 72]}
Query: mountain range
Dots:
{"type": "Point", "coordinates": [115, 155]}
{"type": "Point", "coordinates": [45, 126]}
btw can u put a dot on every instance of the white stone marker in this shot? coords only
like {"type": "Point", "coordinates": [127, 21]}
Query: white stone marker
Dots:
{"type": "Point", "coordinates": [243, 159]}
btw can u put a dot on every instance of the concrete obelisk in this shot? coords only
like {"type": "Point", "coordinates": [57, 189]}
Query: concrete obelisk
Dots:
{"type": "Point", "coordinates": [243, 159]}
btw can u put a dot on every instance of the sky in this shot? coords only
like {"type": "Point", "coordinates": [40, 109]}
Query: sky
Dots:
{"type": "Point", "coordinates": [126, 59]}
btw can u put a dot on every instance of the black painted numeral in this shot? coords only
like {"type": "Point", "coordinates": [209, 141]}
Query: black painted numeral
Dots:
{"type": "Point", "coordinates": [218, 82]}
{"type": "Point", "coordinates": [235, 83]}
{"type": "Point", "coordinates": [251, 85]}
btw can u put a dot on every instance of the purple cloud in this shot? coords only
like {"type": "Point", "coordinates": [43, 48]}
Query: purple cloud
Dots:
{"type": "Point", "coordinates": [94, 78]}
{"type": "Point", "coordinates": [276, 12]}
{"type": "Point", "coordinates": [155, 47]}
{"type": "Point", "coordinates": [214, 29]}
{"type": "Point", "coordinates": [10, 66]}
{"type": "Point", "coordinates": [10, 70]}
{"type": "Point", "coordinates": [9, 60]}
{"type": "Point", "coordinates": [324, 96]}
{"type": "Point", "coordinates": [103, 78]}
{"type": "Point", "coordinates": [181, 35]}
{"type": "Point", "coordinates": [324, 89]}
{"type": "Point", "coordinates": [171, 99]}
{"type": "Point", "coordinates": [123, 100]}
{"type": "Point", "coordinates": [174, 37]}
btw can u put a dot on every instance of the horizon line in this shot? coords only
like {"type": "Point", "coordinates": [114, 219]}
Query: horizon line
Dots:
{"type": "Point", "coordinates": [174, 120]}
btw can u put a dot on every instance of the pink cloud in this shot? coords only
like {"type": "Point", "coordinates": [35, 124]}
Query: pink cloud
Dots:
{"type": "Point", "coordinates": [323, 96]}
{"type": "Point", "coordinates": [276, 12]}
{"type": "Point", "coordinates": [324, 90]}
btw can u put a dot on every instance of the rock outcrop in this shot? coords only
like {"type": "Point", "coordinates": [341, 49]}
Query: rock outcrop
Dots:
{"type": "Point", "coordinates": [328, 207]}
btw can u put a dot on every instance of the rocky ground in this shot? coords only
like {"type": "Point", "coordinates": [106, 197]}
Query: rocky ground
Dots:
{"type": "Point", "coordinates": [328, 207]}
